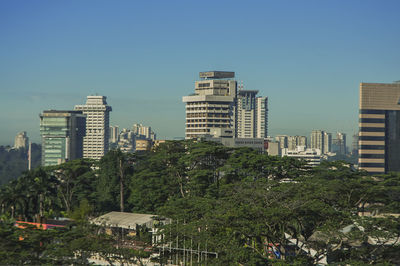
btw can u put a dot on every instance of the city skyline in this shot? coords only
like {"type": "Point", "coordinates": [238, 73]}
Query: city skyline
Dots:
{"type": "Point", "coordinates": [307, 57]}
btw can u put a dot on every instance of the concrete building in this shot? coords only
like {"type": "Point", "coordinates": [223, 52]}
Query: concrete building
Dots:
{"type": "Point", "coordinates": [327, 143]}
{"type": "Point", "coordinates": [294, 141]}
{"type": "Point", "coordinates": [251, 115]}
{"type": "Point", "coordinates": [379, 127]}
{"type": "Point", "coordinates": [283, 141]}
{"type": "Point", "coordinates": [311, 156]}
{"type": "Point", "coordinates": [96, 141]}
{"type": "Point", "coordinates": [21, 140]}
{"type": "Point", "coordinates": [143, 145]}
{"type": "Point", "coordinates": [254, 143]}
{"type": "Point", "coordinates": [143, 132]}
{"type": "Point", "coordinates": [62, 136]}
{"type": "Point", "coordinates": [274, 149]}
{"type": "Point", "coordinates": [321, 140]}
{"type": "Point", "coordinates": [261, 117]}
{"type": "Point", "coordinates": [212, 106]}
{"type": "Point", "coordinates": [126, 142]}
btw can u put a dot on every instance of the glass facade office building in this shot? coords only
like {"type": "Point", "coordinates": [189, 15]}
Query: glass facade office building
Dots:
{"type": "Point", "coordinates": [379, 128]}
{"type": "Point", "coordinates": [62, 136]}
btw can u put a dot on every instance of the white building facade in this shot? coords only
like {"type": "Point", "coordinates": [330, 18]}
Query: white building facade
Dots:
{"type": "Point", "coordinates": [96, 141]}
{"type": "Point", "coordinates": [217, 109]}
{"type": "Point", "coordinates": [311, 156]}
{"type": "Point", "coordinates": [212, 106]}
{"type": "Point", "coordinates": [251, 115]}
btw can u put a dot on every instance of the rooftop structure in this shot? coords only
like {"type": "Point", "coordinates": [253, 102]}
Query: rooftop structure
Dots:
{"type": "Point", "coordinates": [216, 75]}
{"type": "Point", "coordinates": [125, 220]}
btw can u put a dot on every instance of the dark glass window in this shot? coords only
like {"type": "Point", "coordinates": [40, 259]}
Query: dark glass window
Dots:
{"type": "Point", "coordinates": [392, 141]}
{"type": "Point", "coordinates": [372, 147]}
{"type": "Point", "coordinates": [372, 164]}
{"type": "Point", "coordinates": [372, 129]}
{"type": "Point", "coordinates": [375, 173]}
{"type": "Point", "coordinates": [375, 138]}
{"type": "Point", "coordinates": [372, 120]}
{"type": "Point", "coordinates": [372, 112]}
{"type": "Point", "coordinates": [372, 156]}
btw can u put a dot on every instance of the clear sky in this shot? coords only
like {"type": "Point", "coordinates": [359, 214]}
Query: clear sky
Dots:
{"type": "Point", "coordinates": [308, 57]}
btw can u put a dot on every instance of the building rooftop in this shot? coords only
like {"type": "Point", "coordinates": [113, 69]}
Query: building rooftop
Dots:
{"type": "Point", "coordinates": [216, 74]}
{"type": "Point", "coordinates": [244, 92]}
{"type": "Point", "coordinates": [61, 113]}
{"type": "Point", "coordinates": [125, 220]}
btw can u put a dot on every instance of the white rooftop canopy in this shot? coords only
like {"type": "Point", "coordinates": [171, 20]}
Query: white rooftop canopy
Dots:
{"type": "Point", "coordinates": [125, 220]}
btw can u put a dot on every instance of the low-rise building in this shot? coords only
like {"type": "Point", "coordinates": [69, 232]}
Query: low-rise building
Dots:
{"type": "Point", "coordinates": [311, 156]}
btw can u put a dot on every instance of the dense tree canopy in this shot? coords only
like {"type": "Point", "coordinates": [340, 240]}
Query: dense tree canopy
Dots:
{"type": "Point", "coordinates": [245, 207]}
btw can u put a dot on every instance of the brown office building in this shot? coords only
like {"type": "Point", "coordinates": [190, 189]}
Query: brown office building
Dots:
{"type": "Point", "coordinates": [379, 134]}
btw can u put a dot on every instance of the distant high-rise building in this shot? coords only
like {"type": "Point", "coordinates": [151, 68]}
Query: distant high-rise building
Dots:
{"type": "Point", "coordinates": [126, 141]}
{"type": "Point", "coordinates": [296, 141]}
{"type": "Point", "coordinates": [143, 132]}
{"type": "Point", "coordinates": [339, 143]}
{"type": "Point", "coordinates": [211, 109]}
{"type": "Point", "coordinates": [318, 140]}
{"type": "Point", "coordinates": [96, 141]}
{"type": "Point", "coordinates": [354, 148]}
{"type": "Point", "coordinates": [114, 134]}
{"type": "Point", "coordinates": [62, 136]}
{"type": "Point", "coordinates": [327, 142]}
{"type": "Point", "coordinates": [251, 115]}
{"type": "Point", "coordinates": [216, 109]}
{"type": "Point", "coordinates": [21, 140]}
{"type": "Point", "coordinates": [379, 127]}
{"type": "Point", "coordinates": [262, 117]}
{"type": "Point", "coordinates": [283, 141]}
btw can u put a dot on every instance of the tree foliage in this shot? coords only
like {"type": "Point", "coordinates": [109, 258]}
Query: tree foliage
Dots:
{"type": "Point", "coordinates": [237, 203]}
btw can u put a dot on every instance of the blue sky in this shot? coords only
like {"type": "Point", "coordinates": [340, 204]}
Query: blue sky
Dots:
{"type": "Point", "coordinates": [308, 57]}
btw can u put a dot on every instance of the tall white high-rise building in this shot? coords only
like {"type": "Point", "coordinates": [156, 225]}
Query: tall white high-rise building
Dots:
{"type": "Point", "coordinates": [246, 125]}
{"type": "Point", "coordinates": [96, 141]}
{"type": "Point", "coordinates": [217, 109]}
{"type": "Point", "coordinates": [317, 140]}
{"type": "Point", "coordinates": [295, 141]}
{"type": "Point", "coordinates": [262, 117]}
{"type": "Point", "coordinates": [114, 134]}
{"type": "Point", "coordinates": [251, 115]}
{"type": "Point", "coordinates": [211, 109]}
{"type": "Point", "coordinates": [327, 142]}
{"type": "Point", "coordinates": [321, 140]}
{"type": "Point", "coordinates": [282, 140]}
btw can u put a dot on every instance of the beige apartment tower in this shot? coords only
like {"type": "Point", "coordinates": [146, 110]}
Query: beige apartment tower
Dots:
{"type": "Point", "coordinates": [96, 141]}
{"type": "Point", "coordinates": [251, 115]}
{"type": "Point", "coordinates": [379, 127]}
{"type": "Point", "coordinates": [211, 109]}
